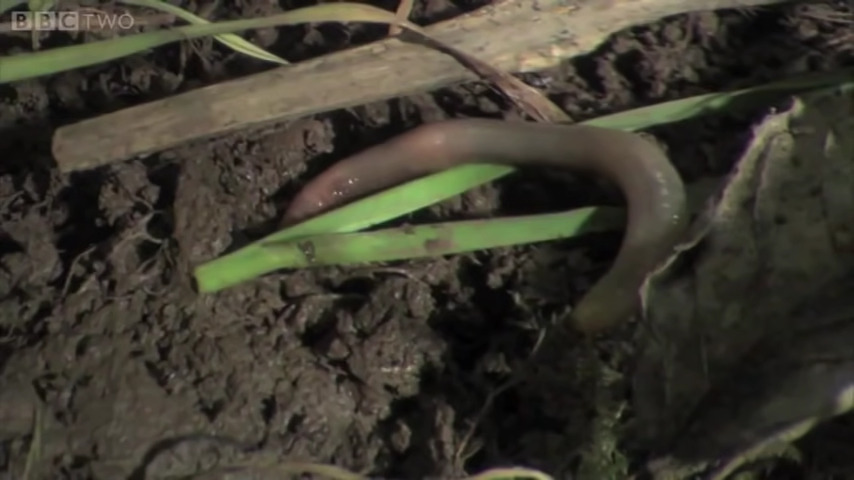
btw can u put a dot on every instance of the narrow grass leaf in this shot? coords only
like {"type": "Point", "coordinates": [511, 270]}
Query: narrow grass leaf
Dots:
{"type": "Point", "coordinates": [402, 243]}
{"type": "Point", "coordinates": [438, 239]}
{"type": "Point", "coordinates": [332, 472]}
{"type": "Point", "coordinates": [700, 105]}
{"type": "Point", "coordinates": [40, 5]}
{"type": "Point", "coordinates": [282, 470]}
{"type": "Point", "coordinates": [511, 473]}
{"type": "Point", "coordinates": [367, 212]}
{"type": "Point", "coordinates": [230, 40]}
{"type": "Point", "coordinates": [6, 5]}
{"type": "Point", "coordinates": [35, 452]}
{"type": "Point", "coordinates": [389, 204]}
{"type": "Point", "coordinates": [46, 62]}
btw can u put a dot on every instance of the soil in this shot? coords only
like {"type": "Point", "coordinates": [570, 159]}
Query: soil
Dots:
{"type": "Point", "coordinates": [115, 368]}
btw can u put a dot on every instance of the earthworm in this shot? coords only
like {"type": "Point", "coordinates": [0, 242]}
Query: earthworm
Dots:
{"type": "Point", "coordinates": [653, 189]}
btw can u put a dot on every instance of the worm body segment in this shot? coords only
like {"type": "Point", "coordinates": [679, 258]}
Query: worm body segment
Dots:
{"type": "Point", "coordinates": [653, 189]}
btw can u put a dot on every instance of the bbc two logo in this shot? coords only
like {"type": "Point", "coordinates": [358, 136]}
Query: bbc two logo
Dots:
{"type": "Point", "coordinates": [69, 21]}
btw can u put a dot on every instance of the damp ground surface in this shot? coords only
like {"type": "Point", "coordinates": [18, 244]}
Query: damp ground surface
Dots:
{"type": "Point", "coordinates": [123, 371]}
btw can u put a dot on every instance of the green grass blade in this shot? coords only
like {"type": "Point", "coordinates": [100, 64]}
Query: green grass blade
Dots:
{"type": "Point", "coordinates": [230, 40]}
{"type": "Point", "coordinates": [46, 62]}
{"type": "Point", "coordinates": [6, 5]}
{"type": "Point", "coordinates": [402, 243]}
{"type": "Point", "coordinates": [390, 204]}
{"type": "Point", "coordinates": [692, 107]}
{"type": "Point", "coordinates": [446, 238]}
{"type": "Point", "coordinates": [40, 5]}
{"type": "Point", "coordinates": [36, 447]}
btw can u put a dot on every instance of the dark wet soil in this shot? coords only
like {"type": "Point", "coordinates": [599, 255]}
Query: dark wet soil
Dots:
{"type": "Point", "coordinates": [384, 370]}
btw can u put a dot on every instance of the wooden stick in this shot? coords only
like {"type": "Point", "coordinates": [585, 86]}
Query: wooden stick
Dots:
{"type": "Point", "coordinates": [512, 35]}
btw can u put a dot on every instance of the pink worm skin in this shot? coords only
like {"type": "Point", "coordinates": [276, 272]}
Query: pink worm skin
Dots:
{"type": "Point", "coordinates": [653, 189]}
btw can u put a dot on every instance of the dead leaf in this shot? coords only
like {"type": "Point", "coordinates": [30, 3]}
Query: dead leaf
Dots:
{"type": "Point", "coordinates": [747, 344]}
